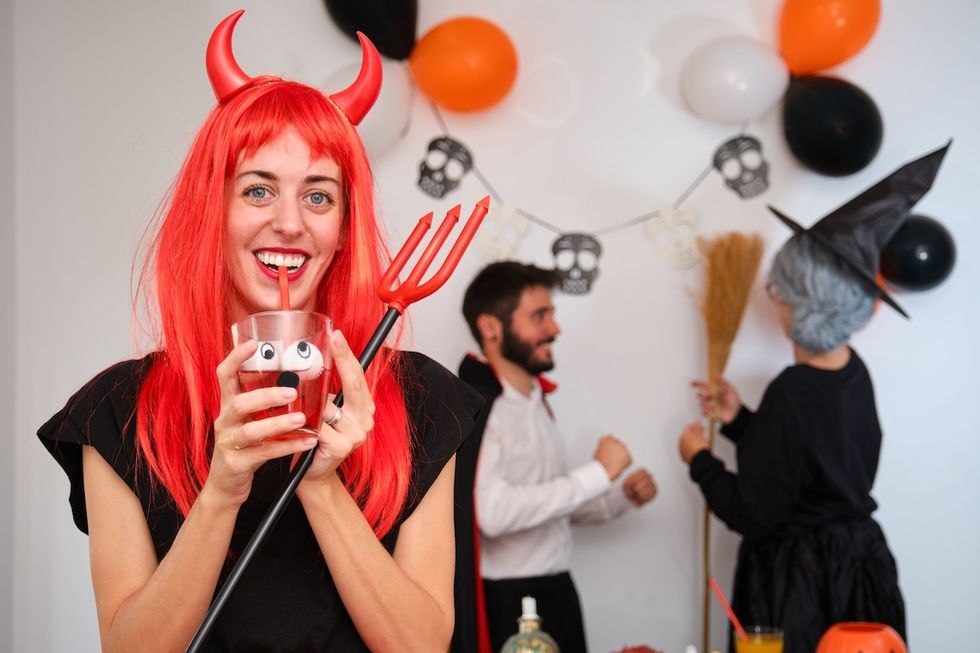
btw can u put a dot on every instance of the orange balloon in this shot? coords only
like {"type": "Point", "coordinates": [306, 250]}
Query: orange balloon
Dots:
{"type": "Point", "coordinates": [464, 64]}
{"type": "Point", "coordinates": [819, 34]}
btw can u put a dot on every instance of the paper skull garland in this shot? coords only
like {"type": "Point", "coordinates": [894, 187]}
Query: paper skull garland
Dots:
{"type": "Point", "coordinates": [740, 163]}
{"type": "Point", "coordinates": [444, 166]}
{"type": "Point", "coordinates": [501, 232]}
{"type": "Point", "coordinates": [576, 261]}
{"type": "Point", "coordinates": [673, 234]}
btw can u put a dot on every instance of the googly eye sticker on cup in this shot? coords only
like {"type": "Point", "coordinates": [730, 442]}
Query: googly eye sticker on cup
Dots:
{"type": "Point", "coordinates": [303, 356]}
{"type": "Point", "coordinates": [267, 357]}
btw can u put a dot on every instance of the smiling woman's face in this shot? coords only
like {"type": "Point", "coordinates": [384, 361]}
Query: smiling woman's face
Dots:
{"type": "Point", "coordinates": [283, 209]}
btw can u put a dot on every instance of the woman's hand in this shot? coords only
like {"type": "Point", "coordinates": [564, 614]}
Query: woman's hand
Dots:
{"type": "Point", "coordinates": [242, 445]}
{"type": "Point", "coordinates": [723, 404]}
{"type": "Point", "coordinates": [691, 441]}
{"type": "Point", "coordinates": [343, 429]}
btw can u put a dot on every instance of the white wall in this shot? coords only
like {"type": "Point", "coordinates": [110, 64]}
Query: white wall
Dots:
{"type": "Point", "coordinates": [107, 95]}
{"type": "Point", "coordinates": [7, 317]}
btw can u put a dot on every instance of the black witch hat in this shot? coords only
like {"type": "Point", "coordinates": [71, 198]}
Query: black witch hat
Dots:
{"type": "Point", "coordinates": [857, 231]}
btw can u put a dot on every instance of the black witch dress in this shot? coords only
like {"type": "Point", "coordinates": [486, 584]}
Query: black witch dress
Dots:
{"type": "Point", "coordinates": [286, 600]}
{"type": "Point", "coordinates": [811, 555]}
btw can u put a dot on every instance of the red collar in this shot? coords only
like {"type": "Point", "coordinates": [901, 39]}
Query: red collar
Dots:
{"type": "Point", "coordinates": [547, 385]}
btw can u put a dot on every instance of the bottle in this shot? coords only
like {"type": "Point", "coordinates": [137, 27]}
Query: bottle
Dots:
{"type": "Point", "coordinates": [529, 638]}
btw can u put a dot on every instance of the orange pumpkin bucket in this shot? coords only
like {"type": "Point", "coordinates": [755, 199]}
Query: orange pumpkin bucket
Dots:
{"type": "Point", "coordinates": [852, 637]}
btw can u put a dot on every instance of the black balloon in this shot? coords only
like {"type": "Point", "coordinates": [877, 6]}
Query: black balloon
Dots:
{"type": "Point", "coordinates": [831, 126]}
{"type": "Point", "coordinates": [390, 24]}
{"type": "Point", "coordinates": [920, 255]}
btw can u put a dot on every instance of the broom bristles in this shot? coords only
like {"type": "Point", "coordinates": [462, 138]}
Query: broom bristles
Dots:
{"type": "Point", "coordinates": [730, 264]}
{"type": "Point", "coordinates": [731, 261]}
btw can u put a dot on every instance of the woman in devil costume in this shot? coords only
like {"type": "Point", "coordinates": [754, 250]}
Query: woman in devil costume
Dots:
{"type": "Point", "coordinates": [811, 554]}
{"type": "Point", "coordinates": [169, 477]}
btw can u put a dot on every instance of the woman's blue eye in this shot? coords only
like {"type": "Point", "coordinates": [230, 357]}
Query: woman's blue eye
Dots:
{"type": "Point", "coordinates": [257, 192]}
{"type": "Point", "coordinates": [318, 198]}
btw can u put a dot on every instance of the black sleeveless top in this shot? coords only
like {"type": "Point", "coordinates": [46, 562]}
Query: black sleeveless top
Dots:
{"type": "Point", "coordinates": [286, 600]}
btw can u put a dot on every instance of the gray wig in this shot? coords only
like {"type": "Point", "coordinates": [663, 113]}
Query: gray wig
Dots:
{"type": "Point", "coordinates": [829, 301]}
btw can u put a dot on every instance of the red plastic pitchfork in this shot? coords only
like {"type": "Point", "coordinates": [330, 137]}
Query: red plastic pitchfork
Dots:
{"type": "Point", "coordinates": [398, 300]}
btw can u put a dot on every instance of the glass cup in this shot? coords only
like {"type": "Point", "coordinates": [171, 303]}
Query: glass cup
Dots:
{"type": "Point", "coordinates": [293, 350]}
{"type": "Point", "coordinates": [762, 639]}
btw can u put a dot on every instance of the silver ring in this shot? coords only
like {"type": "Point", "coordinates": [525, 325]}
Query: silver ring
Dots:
{"type": "Point", "coordinates": [235, 444]}
{"type": "Point", "coordinates": [336, 417]}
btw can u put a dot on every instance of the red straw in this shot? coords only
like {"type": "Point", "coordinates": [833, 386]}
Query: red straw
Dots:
{"type": "Point", "coordinates": [728, 609]}
{"type": "Point", "coordinates": [283, 289]}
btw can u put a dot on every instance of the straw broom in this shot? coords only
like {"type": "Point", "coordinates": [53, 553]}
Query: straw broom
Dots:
{"type": "Point", "coordinates": [731, 261]}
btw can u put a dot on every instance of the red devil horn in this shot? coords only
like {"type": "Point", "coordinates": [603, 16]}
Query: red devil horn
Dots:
{"type": "Point", "coordinates": [356, 100]}
{"type": "Point", "coordinates": [226, 77]}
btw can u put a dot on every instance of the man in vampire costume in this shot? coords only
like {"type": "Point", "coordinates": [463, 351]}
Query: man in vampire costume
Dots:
{"type": "Point", "coordinates": [526, 496]}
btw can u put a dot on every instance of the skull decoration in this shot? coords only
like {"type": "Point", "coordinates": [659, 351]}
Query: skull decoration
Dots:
{"type": "Point", "coordinates": [672, 232]}
{"type": "Point", "coordinates": [501, 232]}
{"type": "Point", "coordinates": [740, 162]}
{"type": "Point", "coordinates": [577, 262]}
{"type": "Point", "coordinates": [444, 166]}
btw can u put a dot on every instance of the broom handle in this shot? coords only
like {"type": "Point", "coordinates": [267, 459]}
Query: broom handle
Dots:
{"type": "Point", "coordinates": [706, 554]}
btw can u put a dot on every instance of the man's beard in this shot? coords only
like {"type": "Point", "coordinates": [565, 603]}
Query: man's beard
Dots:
{"type": "Point", "coordinates": [521, 353]}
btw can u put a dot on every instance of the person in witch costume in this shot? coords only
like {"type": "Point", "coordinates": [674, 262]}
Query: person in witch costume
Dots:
{"type": "Point", "coordinates": [170, 476]}
{"type": "Point", "coordinates": [526, 496]}
{"type": "Point", "coordinates": [811, 554]}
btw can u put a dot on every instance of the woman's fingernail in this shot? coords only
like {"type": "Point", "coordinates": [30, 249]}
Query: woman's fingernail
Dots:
{"type": "Point", "coordinates": [339, 339]}
{"type": "Point", "coordinates": [297, 418]}
{"type": "Point", "coordinates": [288, 394]}
{"type": "Point", "coordinates": [309, 443]}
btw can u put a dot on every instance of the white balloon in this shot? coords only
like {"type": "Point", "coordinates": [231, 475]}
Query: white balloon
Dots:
{"type": "Point", "coordinates": [387, 121]}
{"type": "Point", "coordinates": [733, 79]}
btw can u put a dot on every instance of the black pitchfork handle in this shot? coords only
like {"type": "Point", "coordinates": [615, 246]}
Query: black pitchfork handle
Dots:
{"type": "Point", "coordinates": [275, 511]}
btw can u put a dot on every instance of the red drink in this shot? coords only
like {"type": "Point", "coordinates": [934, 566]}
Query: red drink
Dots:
{"type": "Point", "coordinates": [312, 393]}
{"type": "Point", "coordinates": [292, 351]}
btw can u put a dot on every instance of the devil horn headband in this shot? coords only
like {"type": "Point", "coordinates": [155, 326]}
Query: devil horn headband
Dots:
{"type": "Point", "coordinates": [228, 79]}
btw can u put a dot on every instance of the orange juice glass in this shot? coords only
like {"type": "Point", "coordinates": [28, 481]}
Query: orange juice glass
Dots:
{"type": "Point", "coordinates": [762, 639]}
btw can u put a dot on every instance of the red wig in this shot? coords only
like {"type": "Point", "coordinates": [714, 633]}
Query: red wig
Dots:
{"type": "Point", "coordinates": [180, 398]}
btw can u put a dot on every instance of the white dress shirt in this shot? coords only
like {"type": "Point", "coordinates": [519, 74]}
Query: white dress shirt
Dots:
{"type": "Point", "coordinates": [526, 498]}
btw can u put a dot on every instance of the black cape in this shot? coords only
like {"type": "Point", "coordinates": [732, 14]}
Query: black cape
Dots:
{"type": "Point", "coordinates": [471, 624]}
